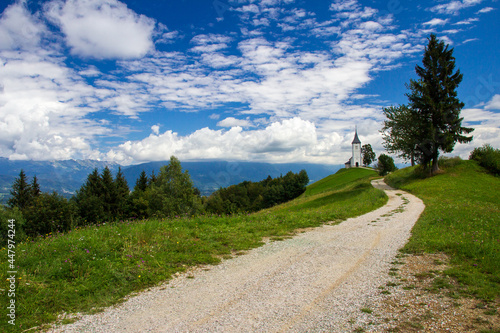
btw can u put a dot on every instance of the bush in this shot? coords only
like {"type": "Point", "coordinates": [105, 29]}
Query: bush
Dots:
{"type": "Point", "coordinates": [488, 157]}
{"type": "Point", "coordinates": [49, 213]}
{"type": "Point", "coordinates": [7, 214]}
{"type": "Point", "coordinates": [449, 162]}
{"type": "Point", "coordinates": [385, 165]}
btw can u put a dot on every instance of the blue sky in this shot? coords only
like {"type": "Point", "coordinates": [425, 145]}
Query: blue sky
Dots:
{"type": "Point", "coordinates": [241, 80]}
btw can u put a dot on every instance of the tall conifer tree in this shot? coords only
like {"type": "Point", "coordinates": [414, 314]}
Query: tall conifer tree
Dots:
{"type": "Point", "coordinates": [142, 182]}
{"type": "Point", "coordinates": [21, 192]}
{"type": "Point", "coordinates": [122, 194]}
{"type": "Point", "coordinates": [434, 98]}
{"type": "Point", "coordinates": [35, 187]}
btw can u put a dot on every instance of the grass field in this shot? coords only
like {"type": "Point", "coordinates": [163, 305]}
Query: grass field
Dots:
{"type": "Point", "coordinates": [461, 219]}
{"type": "Point", "coordinates": [93, 267]}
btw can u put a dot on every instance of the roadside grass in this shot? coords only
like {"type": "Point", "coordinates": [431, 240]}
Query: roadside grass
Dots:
{"type": "Point", "coordinates": [93, 267]}
{"type": "Point", "coordinates": [461, 219]}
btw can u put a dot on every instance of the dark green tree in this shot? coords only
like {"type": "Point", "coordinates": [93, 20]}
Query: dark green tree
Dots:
{"type": "Point", "coordinates": [434, 99]}
{"type": "Point", "coordinates": [109, 195]}
{"type": "Point", "coordinates": [21, 193]}
{"type": "Point", "coordinates": [367, 154]}
{"type": "Point", "coordinates": [152, 179]}
{"type": "Point", "coordinates": [253, 196]}
{"type": "Point", "coordinates": [49, 213]}
{"type": "Point", "coordinates": [173, 192]}
{"type": "Point", "coordinates": [385, 164]}
{"type": "Point", "coordinates": [122, 195]}
{"type": "Point", "coordinates": [142, 182]}
{"type": "Point", "coordinates": [400, 133]}
{"type": "Point", "coordinates": [93, 184]}
{"type": "Point", "coordinates": [139, 204]}
{"type": "Point", "coordinates": [35, 187]}
{"type": "Point", "coordinates": [89, 199]}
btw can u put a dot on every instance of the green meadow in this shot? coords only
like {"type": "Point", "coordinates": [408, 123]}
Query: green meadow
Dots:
{"type": "Point", "coordinates": [93, 267]}
{"type": "Point", "coordinates": [461, 219]}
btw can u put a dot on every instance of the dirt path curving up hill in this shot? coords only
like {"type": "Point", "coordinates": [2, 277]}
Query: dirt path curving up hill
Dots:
{"type": "Point", "coordinates": [317, 281]}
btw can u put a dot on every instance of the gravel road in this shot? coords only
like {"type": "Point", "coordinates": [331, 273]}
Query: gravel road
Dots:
{"type": "Point", "coordinates": [317, 281]}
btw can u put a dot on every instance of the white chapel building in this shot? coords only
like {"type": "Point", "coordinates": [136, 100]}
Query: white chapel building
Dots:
{"type": "Point", "coordinates": [355, 160]}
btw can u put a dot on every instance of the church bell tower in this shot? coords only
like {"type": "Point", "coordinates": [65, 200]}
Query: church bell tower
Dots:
{"type": "Point", "coordinates": [356, 150]}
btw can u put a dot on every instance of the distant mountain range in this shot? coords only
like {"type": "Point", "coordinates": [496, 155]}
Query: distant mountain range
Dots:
{"type": "Point", "coordinates": [65, 177]}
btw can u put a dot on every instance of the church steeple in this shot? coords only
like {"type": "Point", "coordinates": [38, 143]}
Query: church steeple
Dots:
{"type": "Point", "coordinates": [356, 150]}
{"type": "Point", "coordinates": [356, 139]}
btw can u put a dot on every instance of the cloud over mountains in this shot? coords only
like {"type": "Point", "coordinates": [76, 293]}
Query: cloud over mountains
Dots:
{"type": "Point", "coordinates": [78, 78]}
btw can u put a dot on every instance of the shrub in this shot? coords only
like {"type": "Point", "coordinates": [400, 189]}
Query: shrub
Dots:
{"type": "Point", "coordinates": [449, 162]}
{"type": "Point", "coordinates": [7, 214]}
{"type": "Point", "coordinates": [49, 213]}
{"type": "Point", "coordinates": [488, 157]}
{"type": "Point", "coordinates": [385, 165]}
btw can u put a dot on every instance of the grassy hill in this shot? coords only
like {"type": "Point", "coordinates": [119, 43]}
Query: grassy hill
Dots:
{"type": "Point", "coordinates": [338, 180]}
{"type": "Point", "coordinates": [461, 219]}
{"type": "Point", "coordinates": [96, 266]}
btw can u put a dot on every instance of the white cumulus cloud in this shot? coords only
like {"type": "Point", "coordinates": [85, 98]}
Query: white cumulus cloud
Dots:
{"type": "Point", "coordinates": [19, 29]}
{"type": "Point", "coordinates": [102, 29]}
{"type": "Point", "coordinates": [280, 141]}
{"type": "Point", "coordinates": [233, 122]}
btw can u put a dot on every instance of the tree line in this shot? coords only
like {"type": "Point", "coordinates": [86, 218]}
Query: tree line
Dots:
{"type": "Point", "coordinates": [104, 198]}
{"type": "Point", "coordinates": [254, 196]}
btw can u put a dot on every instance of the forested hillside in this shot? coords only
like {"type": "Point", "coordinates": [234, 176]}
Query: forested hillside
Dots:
{"type": "Point", "coordinates": [66, 177]}
{"type": "Point", "coordinates": [105, 197]}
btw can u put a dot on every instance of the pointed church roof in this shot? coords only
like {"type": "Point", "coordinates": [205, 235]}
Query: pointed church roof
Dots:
{"type": "Point", "coordinates": [356, 139]}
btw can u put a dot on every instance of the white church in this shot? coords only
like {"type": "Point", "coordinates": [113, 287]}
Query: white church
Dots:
{"type": "Point", "coordinates": [355, 160]}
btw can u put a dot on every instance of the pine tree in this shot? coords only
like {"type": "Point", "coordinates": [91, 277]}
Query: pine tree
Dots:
{"type": "Point", "coordinates": [152, 178]}
{"type": "Point", "coordinates": [122, 194]}
{"type": "Point", "coordinates": [21, 192]}
{"type": "Point", "coordinates": [93, 185]}
{"type": "Point", "coordinates": [35, 188]}
{"type": "Point", "coordinates": [434, 97]}
{"type": "Point", "coordinates": [142, 182]}
{"type": "Point", "coordinates": [89, 199]}
{"type": "Point", "coordinates": [109, 194]}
